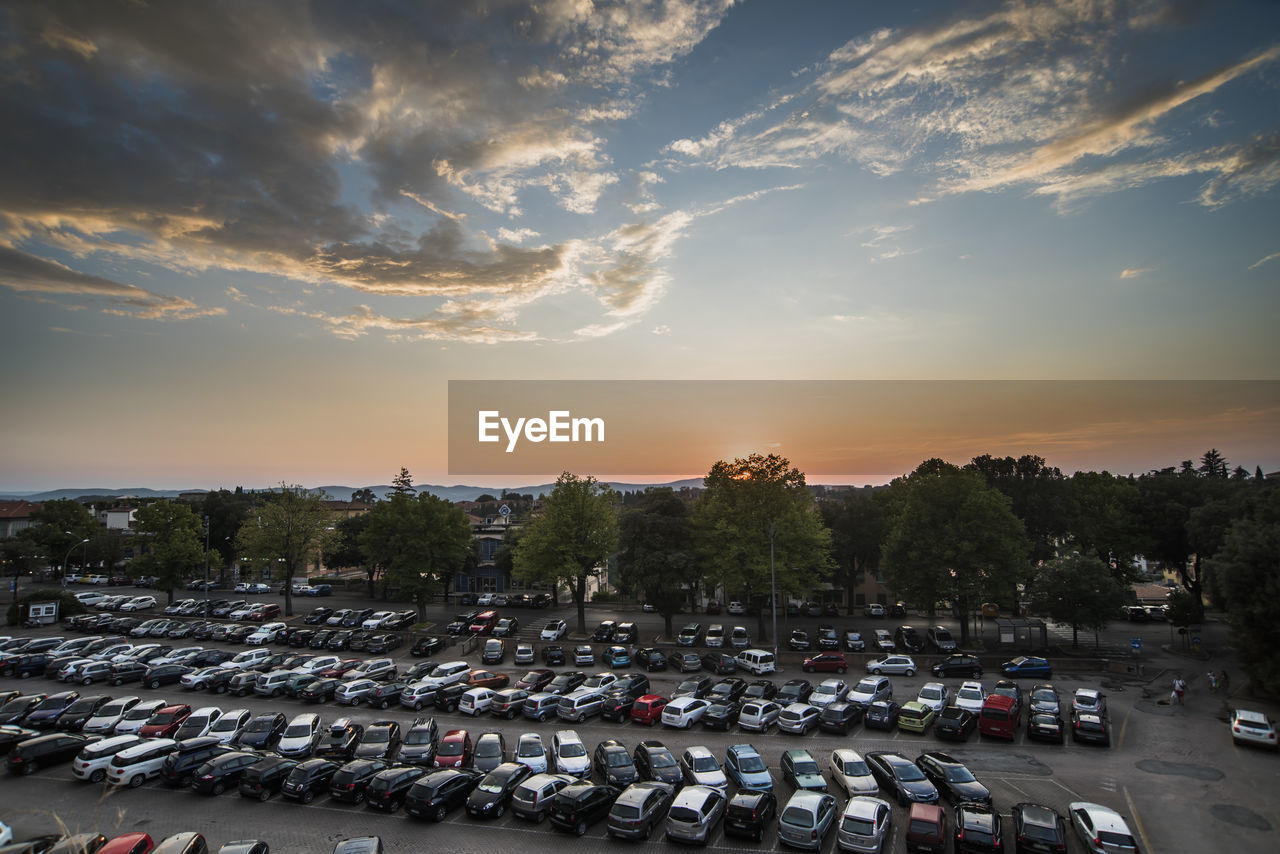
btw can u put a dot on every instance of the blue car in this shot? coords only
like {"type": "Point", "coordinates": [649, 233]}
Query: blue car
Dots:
{"type": "Point", "coordinates": [747, 768]}
{"type": "Point", "coordinates": [616, 656]}
{"type": "Point", "coordinates": [1028, 666]}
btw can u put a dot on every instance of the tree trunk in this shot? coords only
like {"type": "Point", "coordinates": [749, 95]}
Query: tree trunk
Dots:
{"type": "Point", "coordinates": [964, 622]}
{"type": "Point", "coordinates": [371, 572]}
{"type": "Point", "coordinates": [288, 592]}
{"type": "Point", "coordinates": [580, 599]}
{"type": "Point", "coordinates": [1075, 636]}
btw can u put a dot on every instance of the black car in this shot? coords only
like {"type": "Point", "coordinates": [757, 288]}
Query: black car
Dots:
{"type": "Point", "coordinates": [320, 640]}
{"type": "Point", "coordinates": [491, 797]}
{"type": "Point", "coordinates": [264, 778]}
{"type": "Point", "coordinates": [434, 795]}
{"type": "Point", "coordinates": [340, 740]}
{"type": "Point", "coordinates": [349, 781]}
{"type": "Point", "coordinates": [339, 641]}
{"type": "Point", "coordinates": [654, 761]}
{"type": "Point", "coordinates": [29, 756]}
{"type": "Point", "coordinates": [625, 633]}
{"type": "Point", "coordinates": [388, 788]}
{"type": "Point", "coordinates": [566, 683]}
{"type": "Point", "coordinates": [16, 710]}
{"type": "Point", "coordinates": [694, 686]}
{"type": "Point", "coordinates": [263, 732]}
{"type": "Point", "coordinates": [604, 631]}
{"type": "Point", "coordinates": [1044, 726]}
{"type": "Point", "coordinates": [223, 772]}
{"type": "Point", "coordinates": [553, 655]}
{"type": "Point", "coordinates": [1038, 829]}
{"type": "Point", "coordinates": [958, 665]}
{"type": "Point", "coordinates": [953, 780]}
{"type": "Point", "coordinates": [650, 658]}
{"type": "Point", "coordinates": [727, 689]}
{"type": "Point", "coordinates": [799, 641]}
{"type": "Point", "coordinates": [977, 828]}
{"type": "Point", "coordinates": [828, 638]}
{"type": "Point", "coordinates": [419, 745]}
{"type": "Point", "coordinates": [614, 765]}
{"type": "Point", "coordinates": [794, 691]}
{"type": "Point", "coordinates": [899, 776]}
{"type": "Point", "coordinates": [308, 778]}
{"type": "Point", "coordinates": [1090, 727]}
{"type": "Point", "coordinates": [760, 689]}
{"type": "Point", "coordinates": [617, 707]}
{"type": "Point", "coordinates": [426, 646]}
{"type": "Point", "coordinates": [165, 674]}
{"type": "Point", "coordinates": [840, 717]}
{"type": "Point", "coordinates": [46, 713]}
{"type": "Point", "coordinates": [721, 714]}
{"type": "Point", "coordinates": [955, 724]}
{"type": "Point", "coordinates": [719, 663]}
{"type": "Point", "coordinates": [882, 714]}
{"type": "Point", "coordinates": [359, 640]}
{"type": "Point", "coordinates": [26, 665]}
{"type": "Point", "coordinates": [78, 713]}
{"type": "Point", "coordinates": [179, 767]}
{"type": "Point", "coordinates": [298, 638]}
{"type": "Point", "coordinates": [448, 697]}
{"type": "Point", "coordinates": [318, 616]}
{"type": "Point", "coordinates": [211, 657]}
{"type": "Point", "coordinates": [12, 734]}
{"type": "Point", "coordinates": [381, 741]}
{"type": "Point", "coordinates": [320, 691]}
{"type": "Point", "coordinates": [750, 813]}
{"type": "Point", "coordinates": [909, 639]}
{"type": "Point", "coordinates": [386, 694]}
{"type": "Point", "coordinates": [580, 805]}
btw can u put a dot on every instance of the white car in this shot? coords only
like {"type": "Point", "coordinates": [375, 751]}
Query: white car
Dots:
{"type": "Point", "coordinates": [684, 712]}
{"type": "Point", "coordinates": [828, 691]}
{"type": "Point", "coordinates": [242, 587]}
{"type": "Point", "coordinates": [258, 587]}
{"type": "Point", "coordinates": [701, 768]}
{"type": "Point", "coordinates": [524, 653]}
{"type": "Point", "coordinates": [485, 599]}
{"type": "Point", "coordinates": [92, 763]}
{"type": "Point", "coordinates": [935, 695]}
{"type": "Point", "coordinates": [600, 682]}
{"type": "Point", "coordinates": [737, 608]}
{"type": "Point", "coordinates": [851, 772]}
{"type": "Point", "coordinates": [475, 701]}
{"type": "Point", "coordinates": [554, 630]}
{"type": "Point", "coordinates": [864, 825]}
{"type": "Point", "coordinates": [1102, 830]}
{"type": "Point", "coordinates": [447, 673]}
{"type": "Point", "coordinates": [970, 697]}
{"type": "Point", "coordinates": [570, 754]}
{"type": "Point", "coordinates": [1089, 700]}
{"type": "Point", "coordinates": [201, 721]}
{"type": "Point", "coordinates": [798, 718]}
{"type": "Point", "coordinates": [300, 736]}
{"type": "Point", "coordinates": [869, 689]}
{"type": "Point", "coordinates": [317, 664]}
{"type": "Point", "coordinates": [177, 606]}
{"type": "Point", "coordinates": [244, 611]}
{"type": "Point", "coordinates": [378, 619]}
{"type": "Point", "coordinates": [230, 725]}
{"type": "Point", "coordinates": [266, 633]}
{"type": "Point", "coordinates": [1252, 728]}
{"type": "Point", "coordinates": [139, 603]}
{"type": "Point", "coordinates": [892, 664]}
{"type": "Point", "coordinates": [530, 751]}
{"type": "Point", "coordinates": [109, 715]}
{"type": "Point", "coordinates": [140, 763]}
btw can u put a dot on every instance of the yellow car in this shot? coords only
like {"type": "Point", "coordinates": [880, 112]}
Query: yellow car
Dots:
{"type": "Point", "coordinates": [915, 716]}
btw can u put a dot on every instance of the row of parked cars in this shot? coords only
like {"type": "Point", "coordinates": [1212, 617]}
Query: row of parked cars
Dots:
{"type": "Point", "coordinates": [638, 790]}
{"type": "Point", "coordinates": [140, 842]}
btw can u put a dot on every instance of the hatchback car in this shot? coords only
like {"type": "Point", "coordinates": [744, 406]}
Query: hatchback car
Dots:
{"type": "Point", "coordinates": [694, 814]}
{"type": "Point", "coordinates": [390, 786]}
{"type": "Point", "coordinates": [977, 829]}
{"type": "Point", "coordinates": [1248, 727]}
{"type": "Point", "coordinates": [700, 767]}
{"type": "Point", "coordinates": [869, 689]}
{"type": "Point", "coordinates": [750, 813]}
{"type": "Point", "coordinates": [851, 773]}
{"type": "Point", "coordinates": [1090, 728]}
{"type": "Point", "coordinates": [264, 778]}
{"type": "Point", "coordinates": [308, 779]}
{"type": "Point", "coordinates": [798, 718]}
{"type": "Point", "coordinates": [1038, 829]}
{"type": "Point", "coordinates": [350, 781]}
{"type": "Point", "coordinates": [435, 794]}
{"type": "Point", "coordinates": [491, 797]}
{"type": "Point", "coordinates": [639, 809]}
{"type": "Point", "coordinates": [801, 770]}
{"type": "Point", "coordinates": [1101, 829]}
{"type": "Point", "coordinates": [746, 767]}
{"type": "Point", "coordinates": [864, 825]}
{"type": "Point", "coordinates": [903, 664]}
{"type": "Point", "coordinates": [806, 819]}
{"type": "Point", "coordinates": [953, 780]}
{"type": "Point", "coordinates": [758, 715]}
{"type": "Point", "coordinates": [684, 712]}
{"type": "Point", "coordinates": [579, 805]}
{"type": "Point", "coordinates": [901, 778]}
{"type": "Point", "coordinates": [655, 762]}
{"type": "Point", "coordinates": [1026, 667]}
{"type": "Point", "coordinates": [958, 665]}
{"type": "Point", "coordinates": [381, 740]}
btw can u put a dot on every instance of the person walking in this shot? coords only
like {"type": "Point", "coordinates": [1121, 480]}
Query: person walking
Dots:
{"type": "Point", "coordinates": [1179, 689]}
{"type": "Point", "coordinates": [1213, 682]}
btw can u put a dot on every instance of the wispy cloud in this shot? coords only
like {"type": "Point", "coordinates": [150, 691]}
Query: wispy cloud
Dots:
{"type": "Point", "coordinates": [1256, 264]}
{"type": "Point", "coordinates": [1134, 272]}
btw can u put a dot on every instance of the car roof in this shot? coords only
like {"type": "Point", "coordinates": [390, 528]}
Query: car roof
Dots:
{"type": "Point", "coordinates": [1251, 716]}
{"type": "Point", "coordinates": [1038, 814]}
{"type": "Point", "coordinates": [1104, 818]}
{"type": "Point", "coordinates": [863, 807]}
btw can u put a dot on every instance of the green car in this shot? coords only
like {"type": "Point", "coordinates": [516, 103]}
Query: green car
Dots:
{"type": "Point", "coordinates": [801, 770]}
{"type": "Point", "coordinates": [915, 716]}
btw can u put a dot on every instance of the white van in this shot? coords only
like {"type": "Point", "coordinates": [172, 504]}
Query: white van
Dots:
{"type": "Point", "coordinates": [92, 763]}
{"type": "Point", "coordinates": [756, 661]}
{"type": "Point", "coordinates": [90, 598]}
{"type": "Point", "coordinates": [580, 705]}
{"type": "Point", "coordinates": [248, 658]}
{"type": "Point", "coordinates": [139, 764]}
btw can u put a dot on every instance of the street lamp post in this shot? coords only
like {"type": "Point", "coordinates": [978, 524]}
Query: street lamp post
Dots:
{"type": "Point", "coordinates": [773, 585]}
{"type": "Point", "coordinates": [66, 561]}
{"type": "Point", "coordinates": [207, 526]}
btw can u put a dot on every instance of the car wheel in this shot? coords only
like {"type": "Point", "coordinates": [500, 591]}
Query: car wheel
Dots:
{"type": "Point", "coordinates": [98, 776]}
{"type": "Point", "coordinates": [808, 670]}
{"type": "Point", "coordinates": [220, 689]}
{"type": "Point", "coordinates": [136, 780]}
{"type": "Point", "coordinates": [31, 767]}
{"type": "Point", "coordinates": [265, 796]}
{"type": "Point", "coordinates": [219, 788]}
{"type": "Point", "coordinates": [441, 813]}
{"type": "Point", "coordinates": [976, 672]}
{"type": "Point", "coordinates": [876, 671]}
{"type": "Point", "coordinates": [116, 682]}
{"type": "Point", "coordinates": [497, 813]}
{"type": "Point", "coordinates": [580, 828]}
{"type": "Point", "coordinates": [840, 670]}
{"type": "Point", "coordinates": [86, 681]}
{"type": "Point", "coordinates": [911, 671]}
{"type": "Point", "coordinates": [26, 674]}
{"type": "Point", "coordinates": [275, 692]}
{"type": "Point", "coordinates": [155, 683]}
{"type": "Point", "coordinates": [359, 798]}
{"type": "Point", "coordinates": [308, 796]}
{"type": "Point", "coordinates": [394, 806]}
{"type": "Point", "coordinates": [416, 706]}
{"type": "Point", "coordinates": [383, 705]}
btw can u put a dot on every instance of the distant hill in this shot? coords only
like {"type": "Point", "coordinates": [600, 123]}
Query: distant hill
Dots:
{"type": "Point", "coordinates": [339, 493]}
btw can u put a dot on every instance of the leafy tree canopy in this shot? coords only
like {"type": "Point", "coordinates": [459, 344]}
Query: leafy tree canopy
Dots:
{"type": "Point", "coordinates": [656, 550]}
{"type": "Point", "coordinates": [173, 544]}
{"type": "Point", "coordinates": [1079, 591]}
{"type": "Point", "coordinates": [291, 527]}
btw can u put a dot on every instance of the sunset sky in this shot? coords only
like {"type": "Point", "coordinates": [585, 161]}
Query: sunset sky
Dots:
{"type": "Point", "coordinates": [244, 243]}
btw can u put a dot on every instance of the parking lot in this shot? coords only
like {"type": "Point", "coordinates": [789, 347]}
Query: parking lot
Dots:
{"type": "Point", "coordinates": [1172, 770]}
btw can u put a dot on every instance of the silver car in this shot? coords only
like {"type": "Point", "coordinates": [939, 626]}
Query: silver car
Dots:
{"type": "Point", "coordinates": [1102, 830]}
{"type": "Point", "coordinates": [758, 715]}
{"type": "Point", "coordinates": [694, 813]}
{"type": "Point", "coordinates": [798, 718]}
{"type": "Point", "coordinates": [805, 820]}
{"type": "Point", "coordinates": [864, 826]}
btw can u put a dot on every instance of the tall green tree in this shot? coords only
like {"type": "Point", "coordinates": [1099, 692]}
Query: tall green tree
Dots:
{"type": "Point", "coordinates": [757, 513]}
{"type": "Point", "coordinates": [364, 496]}
{"type": "Point", "coordinates": [1079, 591]}
{"type": "Point", "coordinates": [226, 512]}
{"type": "Point", "coordinates": [859, 524]}
{"type": "Point", "coordinates": [656, 550]}
{"type": "Point", "coordinates": [1038, 495]}
{"type": "Point", "coordinates": [1104, 520]}
{"type": "Point", "coordinates": [172, 544]}
{"type": "Point", "coordinates": [955, 538]}
{"type": "Point", "coordinates": [345, 549]}
{"type": "Point", "coordinates": [419, 541]}
{"type": "Point", "coordinates": [572, 539]}
{"type": "Point", "coordinates": [58, 527]}
{"type": "Point", "coordinates": [292, 527]}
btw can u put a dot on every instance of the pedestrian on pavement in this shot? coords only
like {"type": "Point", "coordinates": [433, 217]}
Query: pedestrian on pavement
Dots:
{"type": "Point", "coordinates": [1213, 682]}
{"type": "Point", "coordinates": [1179, 689]}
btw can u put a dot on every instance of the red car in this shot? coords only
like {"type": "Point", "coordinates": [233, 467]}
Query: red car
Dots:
{"type": "Point", "coordinates": [648, 709]}
{"type": "Point", "coordinates": [454, 750]}
{"type": "Point", "coordinates": [264, 613]}
{"type": "Point", "coordinates": [488, 679]}
{"type": "Point", "coordinates": [128, 843]}
{"type": "Point", "coordinates": [165, 721]}
{"type": "Point", "coordinates": [536, 680]}
{"type": "Point", "coordinates": [340, 669]}
{"type": "Point", "coordinates": [826, 662]}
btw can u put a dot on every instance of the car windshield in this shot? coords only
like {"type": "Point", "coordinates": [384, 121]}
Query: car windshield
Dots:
{"type": "Point", "coordinates": [451, 748]}
{"type": "Point", "coordinates": [907, 773]}
{"type": "Point", "coordinates": [377, 735]}
{"type": "Point", "coordinates": [705, 763]}
{"type": "Point", "coordinates": [970, 694]}
{"type": "Point", "coordinates": [856, 769]}
{"type": "Point", "coordinates": [297, 731]}
{"type": "Point", "coordinates": [959, 774]}
{"type": "Point", "coordinates": [165, 718]}
{"type": "Point", "coordinates": [572, 750]}
{"type": "Point", "coordinates": [530, 748]}
{"type": "Point", "coordinates": [487, 748]}
{"type": "Point", "coordinates": [137, 714]}
{"type": "Point", "coordinates": [797, 816]}
{"type": "Point", "coordinates": [806, 766]}
{"type": "Point", "coordinates": [866, 687]}
{"type": "Point", "coordinates": [662, 759]}
{"type": "Point", "coordinates": [225, 725]}
{"type": "Point", "coordinates": [826, 689]}
{"type": "Point", "coordinates": [421, 735]}
{"type": "Point", "coordinates": [858, 826]}
{"type": "Point", "coordinates": [111, 709]}
{"type": "Point", "coordinates": [752, 764]}
{"type": "Point", "coordinates": [618, 759]}
{"type": "Point", "coordinates": [927, 693]}
{"type": "Point", "coordinates": [1044, 696]}
{"type": "Point", "coordinates": [261, 725]}
{"type": "Point", "coordinates": [688, 685]}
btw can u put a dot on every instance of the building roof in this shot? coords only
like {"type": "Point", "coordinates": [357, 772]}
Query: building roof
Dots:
{"type": "Point", "coordinates": [17, 509]}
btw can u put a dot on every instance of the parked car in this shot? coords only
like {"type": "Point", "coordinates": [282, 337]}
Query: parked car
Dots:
{"type": "Point", "coordinates": [869, 689]}
{"type": "Point", "coordinates": [381, 740]}
{"type": "Point", "coordinates": [694, 813]}
{"type": "Point", "coordinates": [882, 714]}
{"type": "Point", "coordinates": [864, 825]}
{"type": "Point", "coordinates": [308, 779]}
{"type": "Point", "coordinates": [1101, 829]}
{"type": "Point", "coordinates": [1038, 829]}
{"type": "Point", "coordinates": [390, 786]}
{"type": "Point", "coordinates": [800, 769]}
{"type": "Point", "coordinates": [434, 794]}
{"type": "Point", "coordinates": [750, 812]}
{"type": "Point", "coordinates": [826, 662]}
{"type": "Point", "coordinates": [1026, 667]}
{"type": "Point", "coordinates": [264, 778]}
{"type": "Point", "coordinates": [262, 733]}
{"type": "Point", "coordinates": [1044, 726]}
{"type": "Point", "coordinates": [798, 718]}
{"type": "Point", "coordinates": [638, 809]}
{"type": "Point", "coordinates": [31, 755]}
{"type": "Point", "coordinates": [902, 778]}
{"type": "Point", "coordinates": [350, 782]}
{"type": "Point", "coordinates": [955, 724]}
{"type": "Point", "coordinates": [1089, 727]}
{"type": "Point", "coordinates": [1249, 727]}
{"type": "Point", "coordinates": [579, 805]}
{"type": "Point", "coordinates": [953, 780]}
{"type": "Point", "coordinates": [491, 797]}
{"type": "Point", "coordinates": [454, 750]}
{"type": "Point", "coordinates": [840, 717]}
{"type": "Point", "coordinates": [806, 819]}
{"type": "Point", "coordinates": [958, 665]}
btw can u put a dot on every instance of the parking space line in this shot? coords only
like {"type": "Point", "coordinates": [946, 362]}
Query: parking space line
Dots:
{"type": "Point", "coordinates": [1072, 792]}
{"type": "Point", "coordinates": [1133, 812]}
{"type": "Point", "coordinates": [1124, 726]}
